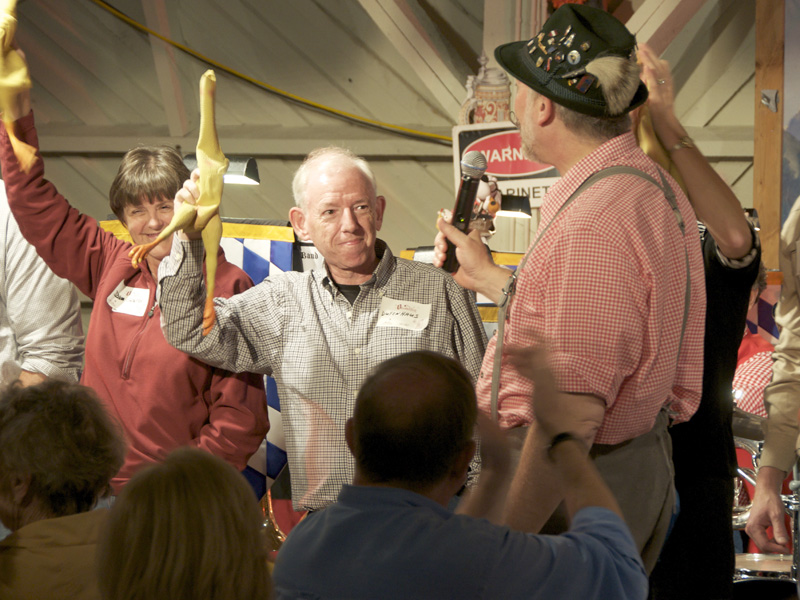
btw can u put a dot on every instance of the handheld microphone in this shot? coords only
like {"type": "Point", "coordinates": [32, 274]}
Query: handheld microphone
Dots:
{"type": "Point", "coordinates": [473, 165]}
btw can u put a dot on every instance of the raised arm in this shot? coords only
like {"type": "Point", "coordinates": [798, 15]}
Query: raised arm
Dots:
{"type": "Point", "coordinates": [559, 445]}
{"type": "Point", "coordinates": [72, 244]}
{"type": "Point", "coordinates": [487, 499]}
{"type": "Point", "coordinates": [249, 324]}
{"type": "Point", "coordinates": [598, 540]}
{"type": "Point", "coordinates": [713, 200]}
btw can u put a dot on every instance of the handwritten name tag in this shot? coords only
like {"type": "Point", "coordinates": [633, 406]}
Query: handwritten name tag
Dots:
{"type": "Point", "coordinates": [404, 314]}
{"type": "Point", "coordinates": [128, 300]}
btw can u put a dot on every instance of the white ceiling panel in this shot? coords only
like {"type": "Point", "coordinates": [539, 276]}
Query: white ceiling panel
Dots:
{"type": "Point", "coordinates": [101, 87]}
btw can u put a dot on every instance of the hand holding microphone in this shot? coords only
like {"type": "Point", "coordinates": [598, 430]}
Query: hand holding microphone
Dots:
{"type": "Point", "coordinates": [473, 166]}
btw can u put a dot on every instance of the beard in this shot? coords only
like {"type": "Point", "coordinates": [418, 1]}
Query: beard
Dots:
{"type": "Point", "coordinates": [529, 145]}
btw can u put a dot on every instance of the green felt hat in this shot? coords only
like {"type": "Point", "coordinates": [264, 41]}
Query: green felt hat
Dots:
{"type": "Point", "coordinates": [583, 58]}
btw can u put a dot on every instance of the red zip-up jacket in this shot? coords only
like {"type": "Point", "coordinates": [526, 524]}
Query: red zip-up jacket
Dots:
{"type": "Point", "coordinates": [162, 397]}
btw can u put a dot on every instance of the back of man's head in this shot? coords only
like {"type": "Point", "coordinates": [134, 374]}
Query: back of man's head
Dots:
{"type": "Point", "coordinates": [413, 417]}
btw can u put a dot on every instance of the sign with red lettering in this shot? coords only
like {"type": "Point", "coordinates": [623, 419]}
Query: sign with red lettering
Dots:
{"type": "Point", "coordinates": [504, 155]}
{"type": "Point", "coordinates": [500, 144]}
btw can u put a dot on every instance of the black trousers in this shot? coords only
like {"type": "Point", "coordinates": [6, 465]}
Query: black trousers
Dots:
{"type": "Point", "coordinates": [697, 560]}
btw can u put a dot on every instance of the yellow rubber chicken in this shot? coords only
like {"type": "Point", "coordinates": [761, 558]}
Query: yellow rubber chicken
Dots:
{"type": "Point", "coordinates": [14, 77]}
{"type": "Point", "coordinates": [204, 215]}
{"type": "Point", "coordinates": [652, 146]}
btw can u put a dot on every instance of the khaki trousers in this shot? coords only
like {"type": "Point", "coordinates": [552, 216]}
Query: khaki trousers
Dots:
{"type": "Point", "coordinates": [639, 472]}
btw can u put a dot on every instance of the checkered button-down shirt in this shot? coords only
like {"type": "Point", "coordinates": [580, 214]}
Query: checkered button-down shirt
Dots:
{"type": "Point", "coordinates": [606, 286]}
{"type": "Point", "coordinates": [300, 329]}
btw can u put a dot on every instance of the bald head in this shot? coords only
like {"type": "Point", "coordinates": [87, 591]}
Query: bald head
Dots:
{"type": "Point", "coordinates": [413, 417]}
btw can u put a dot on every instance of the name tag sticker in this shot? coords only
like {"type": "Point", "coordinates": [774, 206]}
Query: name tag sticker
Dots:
{"type": "Point", "coordinates": [128, 300]}
{"type": "Point", "coordinates": [404, 314]}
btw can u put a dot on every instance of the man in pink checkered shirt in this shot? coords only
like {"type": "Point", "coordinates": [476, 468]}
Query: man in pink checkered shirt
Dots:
{"type": "Point", "coordinates": [614, 283]}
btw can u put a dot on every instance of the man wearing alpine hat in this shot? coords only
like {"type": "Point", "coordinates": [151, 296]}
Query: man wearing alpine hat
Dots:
{"type": "Point", "coordinates": [612, 282]}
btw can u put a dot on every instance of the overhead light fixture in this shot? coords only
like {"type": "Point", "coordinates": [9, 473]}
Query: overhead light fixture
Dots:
{"type": "Point", "coordinates": [242, 170]}
{"type": "Point", "coordinates": [515, 206]}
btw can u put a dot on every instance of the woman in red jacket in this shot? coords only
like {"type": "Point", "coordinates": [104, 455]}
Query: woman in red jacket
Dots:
{"type": "Point", "coordinates": [162, 397]}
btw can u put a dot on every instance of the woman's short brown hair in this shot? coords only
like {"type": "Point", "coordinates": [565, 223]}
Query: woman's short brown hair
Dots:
{"type": "Point", "coordinates": [60, 436]}
{"type": "Point", "coordinates": [146, 173]}
{"type": "Point", "coordinates": [187, 528]}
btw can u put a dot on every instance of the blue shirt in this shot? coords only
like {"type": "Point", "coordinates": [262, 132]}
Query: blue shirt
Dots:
{"type": "Point", "coordinates": [377, 542]}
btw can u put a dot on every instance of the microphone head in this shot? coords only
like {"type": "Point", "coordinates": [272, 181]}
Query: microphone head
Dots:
{"type": "Point", "coordinates": [473, 164]}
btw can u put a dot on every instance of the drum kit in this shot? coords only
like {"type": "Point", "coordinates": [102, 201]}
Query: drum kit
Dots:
{"type": "Point", "coordinates": [751, 567]}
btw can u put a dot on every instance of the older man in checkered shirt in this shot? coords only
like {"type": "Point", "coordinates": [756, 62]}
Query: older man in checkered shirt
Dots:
{"type": "Point", "coordinates": [614, 281]}
{"type": "Point", "coordinates": [320, 333]}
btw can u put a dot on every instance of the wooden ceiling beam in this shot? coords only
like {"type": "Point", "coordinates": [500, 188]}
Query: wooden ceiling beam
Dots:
{"type": "Point", "coordinates": [716, 142]}
{"type": "Point", "coordinates": [257, 142]}
{"type": "Point", "coordinates": [717, 94]}
{"type": "Point", "coordinates": [405, 28]}
{"type": "Point", "coordinates": [157, 19]}
{"type": "Point", "coordinates": [657, 22]}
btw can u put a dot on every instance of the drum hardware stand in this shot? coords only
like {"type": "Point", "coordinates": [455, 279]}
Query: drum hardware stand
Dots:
{"type": "Point", "coordinates": [753, 448]}
{"type": "Point", "coordinates": [793, 506]}
{"type": "Point", "coordinates": [768, 567]}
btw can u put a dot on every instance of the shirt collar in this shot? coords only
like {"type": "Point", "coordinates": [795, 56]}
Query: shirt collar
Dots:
{"type": "Point", "coordinates": [368, 496]}
{"type": "Point", "coordinates": [604, 155]}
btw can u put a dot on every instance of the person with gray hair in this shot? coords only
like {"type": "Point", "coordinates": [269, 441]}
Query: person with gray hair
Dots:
{"type": "Point", "coordinates": [301, 176]}
{"type": "Point", "coordinates": [613, 279]}
{"type": "Point", "coordinates": [59, 450]}
{"type": "Point", "coordinates": [319, 333]}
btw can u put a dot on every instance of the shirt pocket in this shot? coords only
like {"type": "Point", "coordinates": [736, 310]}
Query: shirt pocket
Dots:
{"type": "Point", "coordinates": [399, 340]}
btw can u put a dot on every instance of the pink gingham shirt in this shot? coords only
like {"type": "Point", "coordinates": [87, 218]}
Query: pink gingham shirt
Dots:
{"type": "Point", "coordinates": [606, 286]}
